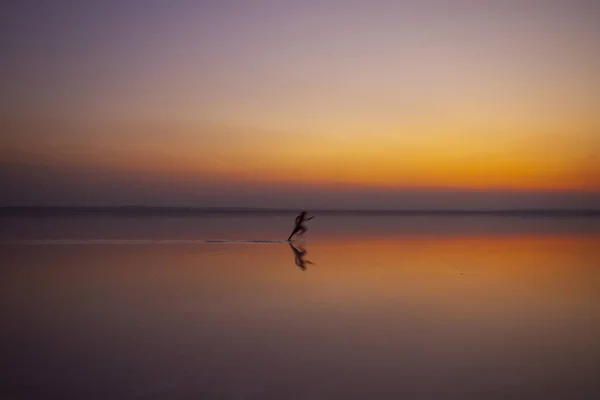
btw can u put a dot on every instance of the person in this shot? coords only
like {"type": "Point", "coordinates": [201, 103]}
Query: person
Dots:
{"type": "Point", "coordinates": [299, 228]}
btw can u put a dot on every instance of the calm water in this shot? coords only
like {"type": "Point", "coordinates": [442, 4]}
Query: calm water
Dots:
{"type": "Point", "coordinates": [363, 307]}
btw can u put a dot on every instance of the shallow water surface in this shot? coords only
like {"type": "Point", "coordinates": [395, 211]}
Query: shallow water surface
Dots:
{"type": "Point", "coordinates": [382, 307]}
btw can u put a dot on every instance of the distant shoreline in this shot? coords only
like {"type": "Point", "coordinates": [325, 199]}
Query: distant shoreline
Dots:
{"type": "Point", "coordinates": [12, 211]}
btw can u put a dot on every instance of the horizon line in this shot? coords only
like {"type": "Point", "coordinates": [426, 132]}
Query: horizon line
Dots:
{"type": "Point", "coordinates": [191, 210]}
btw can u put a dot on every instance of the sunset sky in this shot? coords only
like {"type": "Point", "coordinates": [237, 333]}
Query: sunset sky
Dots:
{"type": "Point", "coordinates": [301, 103]}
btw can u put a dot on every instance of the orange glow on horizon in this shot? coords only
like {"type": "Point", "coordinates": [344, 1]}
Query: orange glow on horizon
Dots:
{"type": "Point", "coordinates": [370, 96]}
{"type": "Point", "coordinates": [383, 170]}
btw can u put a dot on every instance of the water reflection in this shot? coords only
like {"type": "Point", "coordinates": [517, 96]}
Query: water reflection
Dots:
{"type": "Point", "coordinates": [299, 253]}
{"type": "Point", "coordinates": [387, 318]}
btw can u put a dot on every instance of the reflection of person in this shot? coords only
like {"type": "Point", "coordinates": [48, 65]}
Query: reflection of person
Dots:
{"type": "Point", "coordinates": [299, 228]}
{"type": "Point", "coordinates": [299, 257]}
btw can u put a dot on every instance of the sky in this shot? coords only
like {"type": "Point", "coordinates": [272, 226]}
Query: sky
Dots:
{"type": "Point", "coordinates": [285, 103]}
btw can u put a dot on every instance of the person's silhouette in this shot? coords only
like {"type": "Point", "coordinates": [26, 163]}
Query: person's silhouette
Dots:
{"type": "Point", "coordinates": [299, 228]}
{"type": "Point", "coordinates": [299, 254]}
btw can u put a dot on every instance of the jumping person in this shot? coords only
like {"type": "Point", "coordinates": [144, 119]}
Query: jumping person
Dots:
{"type": "Point", "coordinates": [299, 228]}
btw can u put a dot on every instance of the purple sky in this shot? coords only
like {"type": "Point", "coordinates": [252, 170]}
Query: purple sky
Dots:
{"type": "Point", "coordinates": [409, 104]}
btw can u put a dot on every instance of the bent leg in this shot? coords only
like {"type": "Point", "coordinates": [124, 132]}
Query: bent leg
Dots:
{"type": "Point", "coordinates": [296, 229]}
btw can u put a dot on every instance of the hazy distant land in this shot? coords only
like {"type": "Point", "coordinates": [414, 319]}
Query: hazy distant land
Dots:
{"type": "Point", "coordinates": [203, 211]}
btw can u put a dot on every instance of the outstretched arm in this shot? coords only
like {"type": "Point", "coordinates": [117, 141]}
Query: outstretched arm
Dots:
{"type": "Point", "coordinates": [308, 219]}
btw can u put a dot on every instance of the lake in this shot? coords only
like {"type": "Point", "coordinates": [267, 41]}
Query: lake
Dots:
{"type": "Point", "coordinates": [361, 307]}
